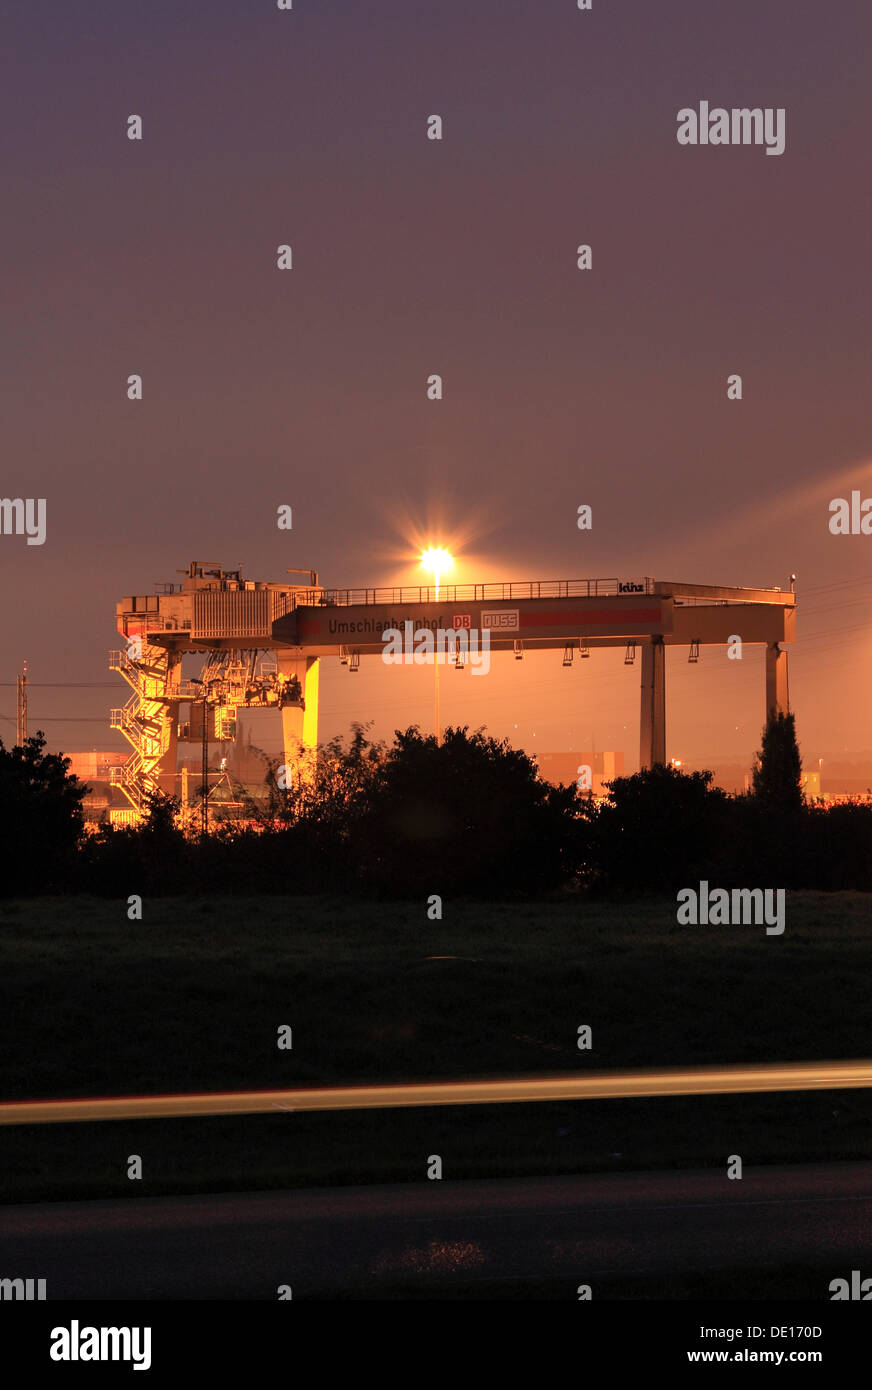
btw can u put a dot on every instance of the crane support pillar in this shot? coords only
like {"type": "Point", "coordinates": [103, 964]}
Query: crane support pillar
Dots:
{"type": "Point", "coordinates": [777, 699]}
{"type": "Point", "coordinates": [652, 720]}
{"type": "Point", "coordinates": [300, 723]}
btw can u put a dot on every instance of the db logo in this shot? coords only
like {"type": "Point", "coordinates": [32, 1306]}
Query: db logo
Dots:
{"type": "Point", "coordinates": [462, 620]}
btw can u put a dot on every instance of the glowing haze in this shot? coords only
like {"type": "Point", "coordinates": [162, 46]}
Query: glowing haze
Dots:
{"type": "Point", "coordinates": [308, 388]}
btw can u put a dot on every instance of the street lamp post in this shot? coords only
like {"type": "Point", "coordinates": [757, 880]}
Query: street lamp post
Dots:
{"type": "Point", "coordinates": [436, 560]}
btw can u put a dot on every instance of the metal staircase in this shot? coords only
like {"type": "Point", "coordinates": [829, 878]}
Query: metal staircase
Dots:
{"type": "Point", "coordinates": [146, 720]}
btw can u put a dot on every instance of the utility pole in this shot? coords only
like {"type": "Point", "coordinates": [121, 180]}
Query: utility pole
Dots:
{"type": "Point", "coordinates": [205, 754]}
{"type": "Point", "coordinates": [21, 726]}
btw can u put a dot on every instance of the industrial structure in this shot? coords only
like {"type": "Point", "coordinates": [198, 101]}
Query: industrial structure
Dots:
{"type": "Point", "coordinates": [261, 644]}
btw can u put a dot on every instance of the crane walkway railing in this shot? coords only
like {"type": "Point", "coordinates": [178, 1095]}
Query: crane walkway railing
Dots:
{"type": "Point", "coordinates": [493, 591]}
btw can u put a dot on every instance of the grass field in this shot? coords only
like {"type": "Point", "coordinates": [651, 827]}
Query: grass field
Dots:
{"type": "Point", "coordinates": [192, 996]}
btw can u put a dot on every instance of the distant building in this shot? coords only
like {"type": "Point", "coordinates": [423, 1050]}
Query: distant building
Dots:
{"type": "Point", "coordinates": [95, 767]}
{"type": "Point", "coordinates": [811, 786]}
{"type": "Point", "coordinates": [567, 768]}
{"type": "Point", "coordinates": [104, 803]}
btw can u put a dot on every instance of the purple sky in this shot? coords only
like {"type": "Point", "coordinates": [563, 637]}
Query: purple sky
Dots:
{"type": "Point", "coordinates": [458, 257]}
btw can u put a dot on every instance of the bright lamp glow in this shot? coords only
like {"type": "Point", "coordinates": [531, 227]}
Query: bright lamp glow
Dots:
{"type": "Point", "coordinates": [436, 561]}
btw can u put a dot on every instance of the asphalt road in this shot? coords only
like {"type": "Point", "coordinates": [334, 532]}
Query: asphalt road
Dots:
{"type": "Point", "coordinates": [431, 1235]}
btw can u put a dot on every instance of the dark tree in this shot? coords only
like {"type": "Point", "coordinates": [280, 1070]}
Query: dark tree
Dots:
{"type": "Point", "coordinates": [777, 767]}
{"type": "Point", "coordinates": [41, 818]}
{"type": "Point", "coordinates": [661, 828]}
{"type": "Point", "coordinates": [325, 788]}
{"type": "Point", "coordinates": [151, 857]}
{"type": "Point", "coordinates": [468, 815]}
{"type": "Point", "coordinates": [161, 810]}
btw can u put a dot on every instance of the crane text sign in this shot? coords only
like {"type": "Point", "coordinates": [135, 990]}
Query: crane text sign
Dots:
{"type": "Point", "coordinates": [501, 619]}
{"type": "Point", "coordinates": [321, 631]}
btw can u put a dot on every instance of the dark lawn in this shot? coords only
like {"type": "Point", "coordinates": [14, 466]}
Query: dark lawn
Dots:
{"type": "Point", "coordinates": [191, 998]}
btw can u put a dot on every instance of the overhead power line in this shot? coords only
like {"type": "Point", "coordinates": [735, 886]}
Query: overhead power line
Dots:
{"type": "Point", "coordinates": [64, 685]}
{"type": "Point", "coordinates": [59, 719]}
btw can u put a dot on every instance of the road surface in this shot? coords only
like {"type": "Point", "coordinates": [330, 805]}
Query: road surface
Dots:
{"type": "Point", "coordinates": [430, 1236]}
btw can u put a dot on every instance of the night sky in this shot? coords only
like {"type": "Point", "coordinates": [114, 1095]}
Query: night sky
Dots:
{"type": "Point", "coordinates": [458, 257]}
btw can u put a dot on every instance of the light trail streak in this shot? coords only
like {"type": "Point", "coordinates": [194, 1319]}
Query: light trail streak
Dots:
{"type": "Point", "coordinates": [700, 1081]}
